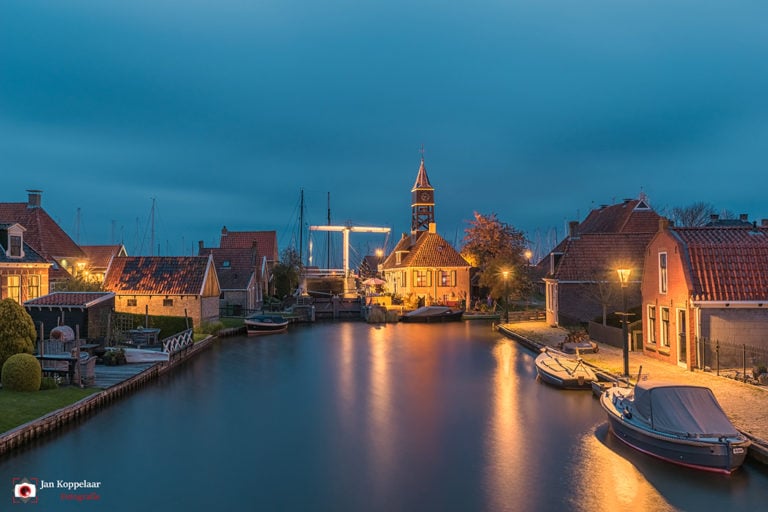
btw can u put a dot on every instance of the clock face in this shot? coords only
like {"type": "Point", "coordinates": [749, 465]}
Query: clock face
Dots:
{"type": "Point", "coordinates": [425, 196]}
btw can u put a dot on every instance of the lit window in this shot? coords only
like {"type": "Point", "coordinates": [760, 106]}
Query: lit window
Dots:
{"type": "Point", "coordinates": [420, 278]}
{"type": "Point", "coordinates": [14, 288]}
{"type": "Point", "coordinates": [662, 272]}
{"type": "Point", "coordinates": [651, 325]}
{"type": "Point", "coordinates": [33, 287]}
{"type": "Point", "coordinates": [665, 327]}
{"type": "Point", "coordinates": [131, 303]}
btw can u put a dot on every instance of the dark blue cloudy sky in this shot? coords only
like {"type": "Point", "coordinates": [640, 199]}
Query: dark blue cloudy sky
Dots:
{"type": "Point", "coordinates": [536, 110]}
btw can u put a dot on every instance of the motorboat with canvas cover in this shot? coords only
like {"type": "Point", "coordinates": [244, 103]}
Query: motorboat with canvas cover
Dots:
{"type": "Point", "coordinates": [681, 424]}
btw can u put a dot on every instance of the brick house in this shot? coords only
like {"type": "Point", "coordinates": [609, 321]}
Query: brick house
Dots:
{"type": "Point", "coordinates": [704, 283]}
{"type": "Point", "coordinates": [23, 272]}
{"type": "Point", "coordinates": [581, 283]}
{"type": "Point", "coordinates": [99, 259]}
{"type": "Point", "coordinates": [46, 237]}
{"type": "Point", "coordinates": [424, 264]}
{"type": "Point", "coordinates": [242, 277]}
{"type": "Point", "coordinates": [165, 285]}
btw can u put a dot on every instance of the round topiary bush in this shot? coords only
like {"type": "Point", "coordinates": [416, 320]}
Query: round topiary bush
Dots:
{"type": "Point", "coordinates": [21, 372]}
{"type": "Point", "coordinates": [17, 330]}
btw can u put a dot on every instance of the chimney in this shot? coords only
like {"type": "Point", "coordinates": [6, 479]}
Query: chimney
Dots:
{"type": "Point", "coordinates": [224, 231]}
{"type": "Point", "coordinates": [663, 223]}
{"type": "Point", "coordinates": [199, 246]}
{"type": "Point", "coordinates": [764, 223]}
{"type": "Point", "coordinates": [572, 225]}
{"type": "Point", "coordinates": [743, 217]}
{"type": "Point", "coordinates": [34, 198]}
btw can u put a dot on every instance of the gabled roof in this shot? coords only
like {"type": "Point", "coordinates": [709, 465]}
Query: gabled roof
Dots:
{"type": "Point", "coordinates": [43, 234]}
{"type": "Point", "coordinates": [596, 256]}
{"type": "Point", "coordinates": [427, 250]}
{"type": "Point", "coordinates": [266, 241]}
{"type": "Point", "coordinates": [76, 300]}
{"type": "Point", "coordinates": [30, 256]}
{"type": "Point", "coordinates": [725, 263]}
{"type": "Point", "coordinates": [422, 180]}
{"type": "Point", "coordinates": [630, 216]}
{"type": "Point", "coordinates": [234, 266]}
{"type": "Point", "coordinates": [99, 256]}
{"type": "Point", "coordinates": [158, 275]}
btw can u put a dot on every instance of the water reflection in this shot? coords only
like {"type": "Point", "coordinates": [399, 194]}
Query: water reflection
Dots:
{"type": "Point", "coordinates": [505, 436]}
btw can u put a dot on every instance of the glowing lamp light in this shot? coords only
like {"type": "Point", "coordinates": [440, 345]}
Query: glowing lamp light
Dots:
{"type": "Point", "coordinates": [624, 275]}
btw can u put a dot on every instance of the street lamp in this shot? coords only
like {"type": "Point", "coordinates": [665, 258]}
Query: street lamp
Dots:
{"type": "Point", "coordinates": [505, 273]}
{"type": "Point", "coordinates": [624, 279]}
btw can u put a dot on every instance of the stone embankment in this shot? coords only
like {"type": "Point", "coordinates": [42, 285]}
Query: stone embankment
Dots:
{"type": "Point", "coordinates": [745, 404]}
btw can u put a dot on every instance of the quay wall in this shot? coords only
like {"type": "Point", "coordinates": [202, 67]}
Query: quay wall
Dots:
{"type": "Point", "coordinates": [51, 422]}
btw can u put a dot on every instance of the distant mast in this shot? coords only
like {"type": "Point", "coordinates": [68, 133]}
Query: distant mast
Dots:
{"type": "Point", "coordinates": [152, 229]}
{"type": "Point", "coordinates": [301, 228]}
{"type": "Point", "coordinates": [328, 236]}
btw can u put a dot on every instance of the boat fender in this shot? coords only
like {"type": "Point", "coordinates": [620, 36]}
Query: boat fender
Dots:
{"type": "Point", "coordinates": [627, 413]}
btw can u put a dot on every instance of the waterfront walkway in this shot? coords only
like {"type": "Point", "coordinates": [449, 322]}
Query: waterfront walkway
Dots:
{"type": "Point", "coordinates": [745, 404]}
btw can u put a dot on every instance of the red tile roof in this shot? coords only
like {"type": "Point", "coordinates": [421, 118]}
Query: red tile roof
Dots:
{"type": "Point", "coordinates": [726, 263]}
{"type": "Point", "coordinates": [99, 256]}
{"type": "Point", "coordinates": [157, 275]}
{"type": "Point", "coordinates": [70, 299]}
{"type": "Point", "coordinates": [631, 216]}
{"type": "Point", "coordinates": [42, 233]}
{"type": "Point", "coordinates": [234, 266]}
{"type": "Point", "coordinates": [428, 250]}
{"type": "Point", "coordinates": [266, 242]}
{"type": "Point", "coordinates": [596, 256]}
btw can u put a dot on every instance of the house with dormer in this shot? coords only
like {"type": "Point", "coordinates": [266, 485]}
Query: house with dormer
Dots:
{"type": "Point", "coordinates": [423, 264]}
{"type": "Point", "coordinates": [23, 272]}
{"type": "Point", "coordinates": [46, 238]}
{"type": "Point", "coordinates": [165, 285]}
{"type": "Point", "coordinates": [581, 282]}
{"type": "Point", "coordinates": [705, 284]}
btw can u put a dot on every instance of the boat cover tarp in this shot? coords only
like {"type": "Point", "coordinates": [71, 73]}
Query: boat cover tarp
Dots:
{"type": "Point", "coordinates": [684, 410]}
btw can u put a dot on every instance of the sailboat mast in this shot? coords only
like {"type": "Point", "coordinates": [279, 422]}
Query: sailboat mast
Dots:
{"type": "Point", "coordinates": [301, 227]}
{"type": "Point", "coordinates": [152, 233]}
{"type": "Point", "coordinates": [328, 236]}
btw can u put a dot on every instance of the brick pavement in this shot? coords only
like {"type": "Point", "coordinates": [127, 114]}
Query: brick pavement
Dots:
{"type": "Point", "coordinates": [745, 404]}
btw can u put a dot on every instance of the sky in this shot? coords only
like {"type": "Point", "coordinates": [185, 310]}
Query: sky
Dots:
{"type": "Point", "coordinates": [221, 113]}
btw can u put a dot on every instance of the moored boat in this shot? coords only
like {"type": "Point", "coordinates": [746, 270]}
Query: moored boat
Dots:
{"type": "Point", "coordinates": [265, 324]}
{"type": "Point", "coordinates": [681, 424]}
{"type": "Point", "coordinates": [563, 371]}
{"type": "Point", "coordinates": [433, 314]}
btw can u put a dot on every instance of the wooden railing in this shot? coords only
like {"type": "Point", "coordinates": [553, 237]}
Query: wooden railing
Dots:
{"type": "Point", "coordinates": [180, 341]}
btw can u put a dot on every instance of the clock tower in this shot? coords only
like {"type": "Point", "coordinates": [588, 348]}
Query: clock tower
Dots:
{"type": "Point", "coordinates": [422, 201]}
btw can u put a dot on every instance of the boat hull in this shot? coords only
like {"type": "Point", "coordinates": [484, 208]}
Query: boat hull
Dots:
{"type": "Point", "coordinates": [715, 455]}
{"type": "Point", "coordinates": [257, 326]}
{"type": "Point", "coordinates": [563, 373]}
{"type": "Point", "coordinates": [433, 314]}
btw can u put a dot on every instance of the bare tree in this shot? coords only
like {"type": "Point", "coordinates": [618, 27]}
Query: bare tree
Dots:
{"type": "Point", "coordinates": [693, 215]}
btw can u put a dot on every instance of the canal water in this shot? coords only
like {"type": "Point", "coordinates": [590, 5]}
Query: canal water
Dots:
{"type": "Point", "coordinates": [354, 417]}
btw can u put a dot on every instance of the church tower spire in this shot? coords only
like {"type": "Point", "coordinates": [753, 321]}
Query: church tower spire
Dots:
{"type": "Point", "coordinates": [422, 200]}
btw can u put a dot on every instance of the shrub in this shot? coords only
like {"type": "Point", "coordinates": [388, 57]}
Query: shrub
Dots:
{"type": "Point", "coordinates": [17, 330]}
{"type": "Point", "coordinates": [21, 372]}
{"type": "Point", "coordinates": [49, 383]}
{"type": "Point", "coordinates": [209, 328]}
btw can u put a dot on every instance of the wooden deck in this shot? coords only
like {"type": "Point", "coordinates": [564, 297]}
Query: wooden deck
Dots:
{"type": "Point", "coordinates": [108, 376]}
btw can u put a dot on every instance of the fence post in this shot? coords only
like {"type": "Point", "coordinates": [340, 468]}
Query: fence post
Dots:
{"type": "Point", "coordinates": [717, 356]}
{"type": "Point", "coordinates": [744, 360]}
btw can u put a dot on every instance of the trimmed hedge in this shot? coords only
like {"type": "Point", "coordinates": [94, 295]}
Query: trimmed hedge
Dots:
{"type": "Point", "coordinates": [168, 325]}
{"type": "Point", "coordinates": [21, 372]}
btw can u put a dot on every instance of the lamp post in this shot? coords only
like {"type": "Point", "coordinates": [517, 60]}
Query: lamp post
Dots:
{"type": "Point", "coordinates": [624, 279]}
{"type": "Point", "coordinates": [505, 273]}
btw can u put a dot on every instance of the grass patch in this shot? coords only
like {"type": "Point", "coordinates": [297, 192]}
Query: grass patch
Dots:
{"type": "Point", "coordinates": [232, 322]}
{"type": "Point", "coordinates": [17, 408]}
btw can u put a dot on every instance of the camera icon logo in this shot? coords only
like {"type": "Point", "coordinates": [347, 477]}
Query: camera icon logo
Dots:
{"type": "Point", "coordinates": [25, 490]}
